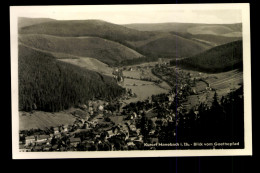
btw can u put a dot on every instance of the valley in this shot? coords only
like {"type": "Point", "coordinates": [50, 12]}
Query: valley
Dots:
{"type": "Point", "coordinates": [115, 87]}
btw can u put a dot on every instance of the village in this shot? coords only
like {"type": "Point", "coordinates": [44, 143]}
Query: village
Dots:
{"type": "Point", "coordinates": [116, 125]}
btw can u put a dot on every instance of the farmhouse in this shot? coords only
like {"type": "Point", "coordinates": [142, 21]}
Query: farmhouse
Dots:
{"type": "Point", "coordinates": [42, 138]}
{"type": "Point", "coordinates": [29, 140]}
{"type": "Point", "coordinates": [130, 143]}
{"type": "Point", "coordinates": [110, 133]}
{"type": "Point", "coordinates": [56, 130]}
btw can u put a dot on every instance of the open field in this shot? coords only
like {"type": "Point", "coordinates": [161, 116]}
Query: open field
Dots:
{"type": "Point", "coordinates": [91, 64]}
{"type": "Point", "coordinates": [143, 89]}
{"type": "Point", "coordinates": [41, 120]}
{"type": "Point", "coordinates": [223, 83]}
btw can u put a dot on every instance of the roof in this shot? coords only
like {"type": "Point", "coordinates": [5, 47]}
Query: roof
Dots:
{"type": "Point", "coordinates": [29, 137]}
{"type": "Point", "coordinates": [43, 137]}
{"type": "Point", "coordinates": [75, 140]}
{"type": "Point", "coordinates": [110, 132]}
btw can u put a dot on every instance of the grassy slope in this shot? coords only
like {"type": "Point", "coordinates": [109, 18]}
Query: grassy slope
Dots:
{"type": "Point", "coordinates": [91, 64]}
{"type": "Point", "coordinates": [187, 27]}
{"type": "Point", "coordinates": [104, 50]}
{"type": "Point", "coordinates": [218, 59]}
{"type": "Point", "coordinates": [215, 39]}
{"type": "Point", "coordinates": [53, 85]}
{"type": "Point", "coordinates": [173, 46]}
{"type": "Point", "coordinates": [214, 34]}
{"type": "Point", "coordinates": [141, 41]}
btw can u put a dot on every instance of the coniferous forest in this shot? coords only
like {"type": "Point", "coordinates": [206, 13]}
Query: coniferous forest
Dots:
{"type": "Point", "coordinates": [47, 84]}
{"type": "Point", "coordinates": [218, 59]}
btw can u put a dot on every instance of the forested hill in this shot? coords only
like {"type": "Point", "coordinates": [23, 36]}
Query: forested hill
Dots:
{"type": "Point", "coordinates": [79, 28]}
{"type": "Point", "coordinates": [218, 59]}
{"type": "Point", "coordinates": [107, 42]}
{"type": "Point", "coordinates": [47, 84]}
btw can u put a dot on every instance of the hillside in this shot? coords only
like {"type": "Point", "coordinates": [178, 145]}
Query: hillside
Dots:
{"type": "Point", "coordinates": [78, 28]}
{"type": "Point", "coordinates": [98, 39]}
{"type": "Point", "coordinates": [91, 64]}
{"type": "Point", "coordinates": [215, 40]}
{"type": "Point", "coordinates": [173, 46]}
{"type": "Point", "coordinates": [121, 44]}
{"type": "Point", "coordinates": [218, 59]}
{"type": "Point", "coordinates": [24, 21]}
{"type": "Point", "coordinates": [49, 85]}
{"type": "Point", "coordinates": [103, 50]}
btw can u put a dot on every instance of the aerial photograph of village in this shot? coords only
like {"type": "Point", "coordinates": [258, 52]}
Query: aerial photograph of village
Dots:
{"type": "Point", "coordinates": [130, 79]}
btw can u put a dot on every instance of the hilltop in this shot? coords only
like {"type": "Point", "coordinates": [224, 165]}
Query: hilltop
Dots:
{"type": "Point", "coordinates": [106, 51]}
{"type": "Point", "coordinates": [24, 21]}
{"type": "Point", "coordinates": [50, 85]}
{"type": "Point", "coordinates": [218, 59]}
{"type": "Point", "coordinates": [78, 28]}
{"type": "Point", "coordinates": [192, 28]}
{"type": "Point", "coordinates": [208, 34]}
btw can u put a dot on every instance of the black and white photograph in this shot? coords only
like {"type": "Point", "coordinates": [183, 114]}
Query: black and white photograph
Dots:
{"type": "Point", "coordinates": [98, 81]}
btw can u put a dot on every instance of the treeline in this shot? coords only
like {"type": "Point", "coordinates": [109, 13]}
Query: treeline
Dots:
{"type": "Point", "coordinates": [50, 85]}
{"type": "Point", "coordinates": [218, 59]}
{"type": "Point", "coordinates": [223, 121]}
{"type": "Point", "coordinates": [137, 60]}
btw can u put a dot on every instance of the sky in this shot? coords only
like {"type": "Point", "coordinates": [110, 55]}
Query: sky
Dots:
{"type": "Point", "coordinates": [123, 14]}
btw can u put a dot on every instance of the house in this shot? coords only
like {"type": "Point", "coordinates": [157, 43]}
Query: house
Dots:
{"type": "Point", "coordinates": [57, 135]}
{"type": "Point", "coordinates": [65, 128]}
{"type": "Point", "coordinates": [29, 140]}
{"type": "Point", "coordinates": [48, 142]}
{"type": "Point", "coordinates": [42, 138]}
{"type": "Point", "coordinates": [110, 133]}
{"type": "Point", "coordinates": [101, 108]}
{"type": "Point", "coordinates": [74, 141]}
{"type": "Point", "coordinates": [130, 143]}
{"type": "Point", "coordinates": [56, 130]}
{"type": "Point", "coordinates": [132, 127]}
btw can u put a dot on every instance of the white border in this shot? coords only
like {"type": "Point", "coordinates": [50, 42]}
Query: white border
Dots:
{"type": "Point", "coordinates": [15, 12]}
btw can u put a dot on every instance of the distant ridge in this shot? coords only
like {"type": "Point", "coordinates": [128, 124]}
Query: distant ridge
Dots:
{"type": "Point", "coordinates": [111, 43]}
{"type": "Point", "coordinates": [218, 59]}
{"type": "Point", "coordinates": [183, 27]}
{"type": "Point", "coordinates": [77, 28]}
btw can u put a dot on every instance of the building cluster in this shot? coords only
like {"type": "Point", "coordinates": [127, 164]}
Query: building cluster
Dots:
{"type": "Point", "coordinates": [94, 130]}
